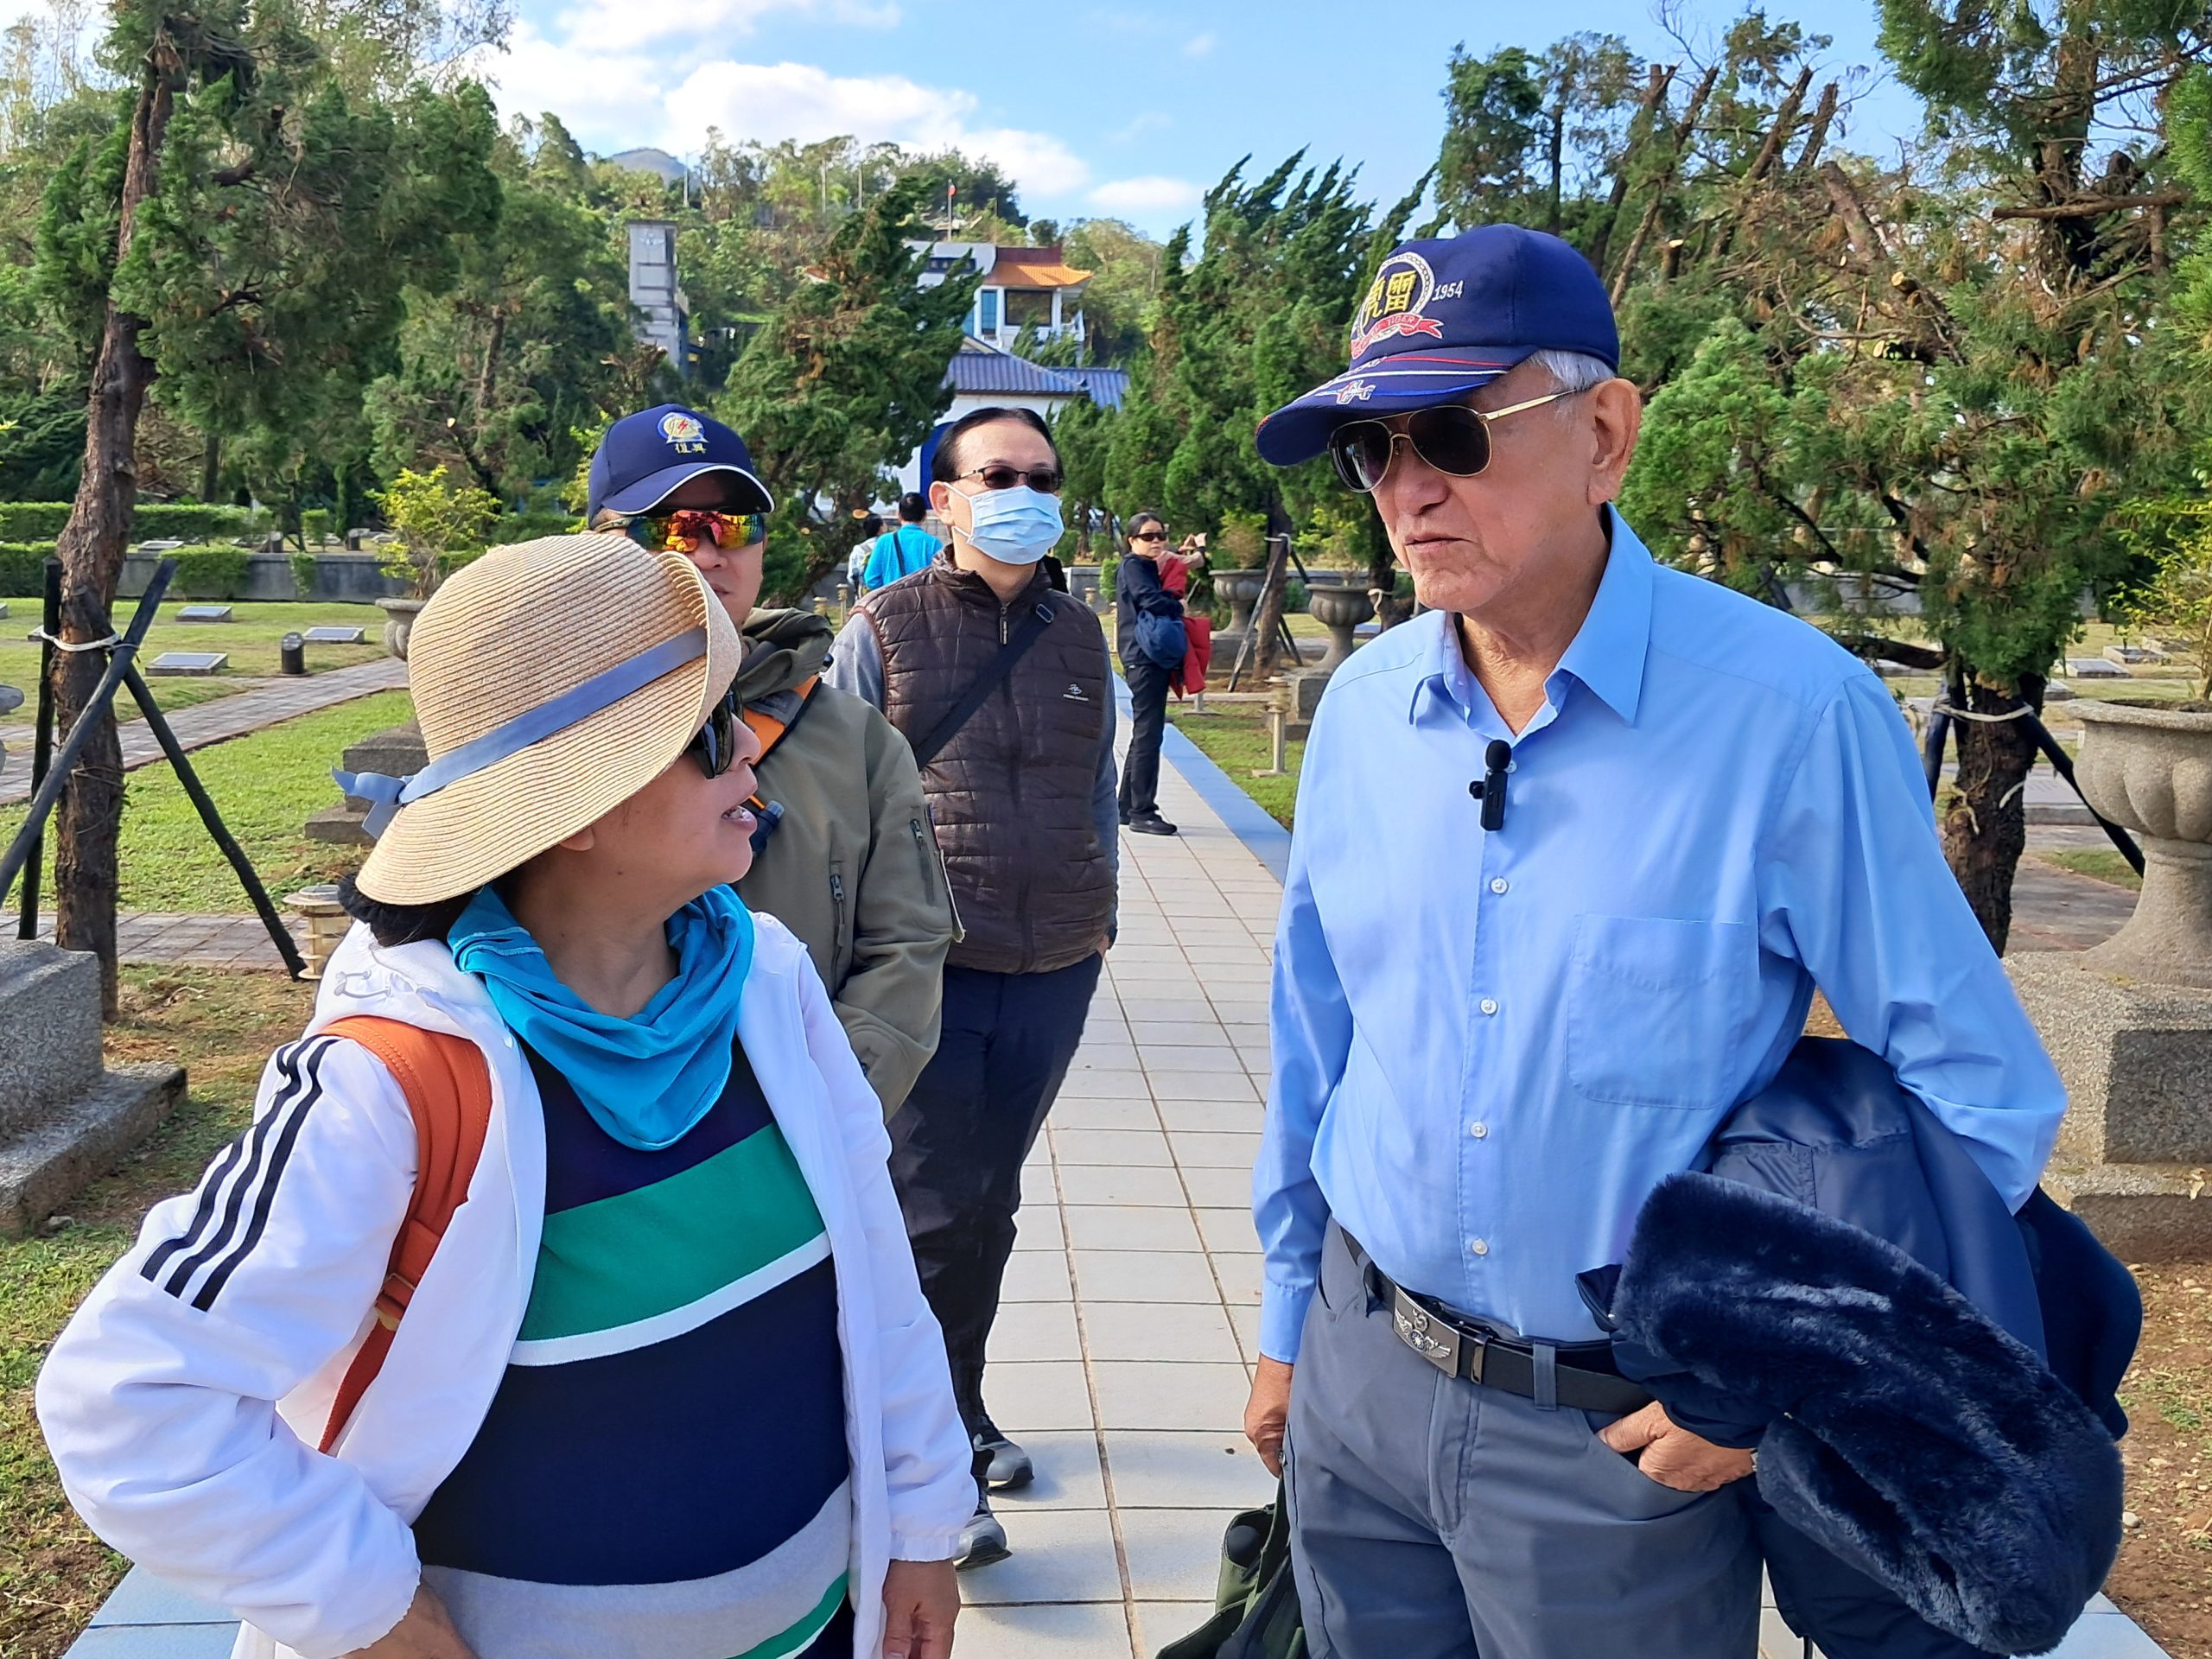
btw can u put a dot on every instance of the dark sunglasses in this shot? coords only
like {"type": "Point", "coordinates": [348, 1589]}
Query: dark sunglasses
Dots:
{"type": "Point", "coordinates": [1150, 536]}
{"type": "Point", "coordinates": [716, 746]}
{"type": "Point", "coordinates": [1045, 481]}
{"type": "Point", "coordinates": [1451, 437]}
{"type": "Point", "coordinates": [683, 529]}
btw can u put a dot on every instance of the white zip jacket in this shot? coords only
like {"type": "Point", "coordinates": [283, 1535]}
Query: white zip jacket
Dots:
{"type": "Point", "coordinates": [184, 1402]}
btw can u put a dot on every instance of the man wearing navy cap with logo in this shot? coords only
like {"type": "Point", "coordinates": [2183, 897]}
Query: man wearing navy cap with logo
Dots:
{"type": "Point", "coordinates": [845, 857]}
{"type": "Point", "coordinates": [1645, 817]}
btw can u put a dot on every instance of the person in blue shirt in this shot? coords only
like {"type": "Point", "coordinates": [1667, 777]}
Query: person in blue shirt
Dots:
{"type": "Point", "coordinates": [1574, 849]}
{"type": "Point", "coordinates": [902, 551]}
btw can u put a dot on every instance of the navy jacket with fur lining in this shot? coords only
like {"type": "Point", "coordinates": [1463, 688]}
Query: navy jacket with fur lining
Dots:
{"type": "Point", "coordinates": [1929, 1379]}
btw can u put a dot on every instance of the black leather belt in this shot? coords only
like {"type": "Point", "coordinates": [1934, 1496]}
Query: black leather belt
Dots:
{"type": "Point", "coordinates": [1584, 1377]}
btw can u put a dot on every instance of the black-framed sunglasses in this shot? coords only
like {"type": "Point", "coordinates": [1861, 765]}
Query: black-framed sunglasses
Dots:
{"type": "Point", "coordinates": [1451, 437]}
{"type": "Point", "coordinates": [1150, 536]}
{"type": "Point", "coordinates": [715, 747]}
{"type": "Point", "coordinates": [1045, 481]}
{"type": "Point", "coordinates": [681, 530]}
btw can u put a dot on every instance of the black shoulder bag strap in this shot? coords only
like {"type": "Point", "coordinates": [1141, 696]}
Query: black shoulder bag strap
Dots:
{"type": "Point", "coordinates": [988, 680]}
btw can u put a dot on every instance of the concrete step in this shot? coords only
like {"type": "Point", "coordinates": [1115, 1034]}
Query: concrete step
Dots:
{"type": "Point", "coordinates": [43, 1165]}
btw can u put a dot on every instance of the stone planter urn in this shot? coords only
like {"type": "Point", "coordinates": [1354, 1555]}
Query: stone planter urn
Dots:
{"type": "Point", "coordinates": [1339, 610]}
{"type": "Point", "coordinates": [1242, 590]}
{"type": "Point", "coordinates": [2150, 770]}
{"type": "Point", "coordinates": [399, 616]}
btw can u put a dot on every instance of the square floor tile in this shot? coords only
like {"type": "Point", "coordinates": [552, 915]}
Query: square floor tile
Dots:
{"type": "Point", "coordinates": [1068, 1476]}
{"type": "Point", "coordinates": [1140, 1394]}
{"type": "Point", "coordinates": [1047, 1630]}
{"type": "Point", "coordinates": [1213, 1189]}
{"type": "Point", "coordinates": [1159, 1623]}
{"type": "Point", "coordinates": [1146, 1276]}
{"type": "Point", "coordinates": [1244, 1319]}
{"type": "Point", "coordinates": [1135, 1227]}
{"type": "Point", "coordinates": [1241, 1277]}
{"type": "Point", "coordinates": [1058, 1555]}
{"type": "Point", "coordinates": [1165, 1469]}
{"type": "Point", "coordinates": [1232, 1086]}
{"type": "Point", "coordinates": [1137, 1006]}
{"type": "Point", "coordinates": [1076, 1113]}
{"type": "Point", "coordinates": [1105, 1085]}
{"type": "Point", "coordinates": [1026, 1395]}
{"type": "Point", "coordinates": [1073, 1146]}
{"type": "Point", "coordinates": [141, 1599]}
{"type": "Point", "coordinates": [1175, 1062]}
{"type": "Point", "coordinates": [1205, 1149]}
{"type": "Point", "coordinates": [1241, 1115]}
{"type": "Point", "coordinates": [1036, 1277]}
{"type": "Point", "coordinates": [1174, 1553]}
{"type": "Point", "coordinates": [1029, 1330]}
{"type": "Point", "coordinates": [1229, 1232]}
{"type": "Point", "coordinates": [1097, 1184]}
{"type": "Point", "coordinates": [1150, 1034]}
{"type": "Point", "coordinates": [1164, 1332]}
{"type": "Point", "coordinates": [1037, 1227]}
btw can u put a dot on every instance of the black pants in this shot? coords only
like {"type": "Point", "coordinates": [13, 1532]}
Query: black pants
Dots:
{"type": "Point", "coordinates": [1147, 719]}
{"type": "Point", "coordinates": [958, 1143]}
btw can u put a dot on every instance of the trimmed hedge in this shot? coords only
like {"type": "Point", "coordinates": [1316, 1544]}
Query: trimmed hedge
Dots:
{"type": "Point", "coordinates": [32, 521]}
{"type": "Point", "coordinates": [23, 568]}
{"type": "Point", "coordinates": [208, 572]}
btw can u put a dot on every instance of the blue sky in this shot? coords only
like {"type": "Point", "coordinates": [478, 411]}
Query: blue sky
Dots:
{"type": "Point", "coordinates": [1122, 109]}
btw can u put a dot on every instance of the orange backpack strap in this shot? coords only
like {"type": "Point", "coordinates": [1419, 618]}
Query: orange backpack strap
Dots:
{"type": "Point", "coordinates": [448, 1089]}
{"type": "Point", "coordinates": [771, 731]}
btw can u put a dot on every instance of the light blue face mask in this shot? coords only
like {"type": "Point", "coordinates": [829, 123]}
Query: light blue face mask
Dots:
{"type": "Point", "coordinates": [1015, 526]}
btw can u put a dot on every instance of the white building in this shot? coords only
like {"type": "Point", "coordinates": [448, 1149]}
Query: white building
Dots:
{"type": "Point", "coordinates": [1023, 288]}
{"type": "Point", "coordinates": [665, 314]}
{"type": "Point", "coordinates": [985, 376]}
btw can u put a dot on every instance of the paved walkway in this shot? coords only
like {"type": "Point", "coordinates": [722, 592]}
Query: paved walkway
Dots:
{"type": "Point", "coordinates": [207, 723]}
{"type": "Point", "coordinates": [1123, 1352]}
{"type": "Point", "coordinates": [167, 938]}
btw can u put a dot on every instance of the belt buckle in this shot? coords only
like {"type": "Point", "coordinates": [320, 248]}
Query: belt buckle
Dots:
{"type": "Point", "coordinates": [1425, 1332]}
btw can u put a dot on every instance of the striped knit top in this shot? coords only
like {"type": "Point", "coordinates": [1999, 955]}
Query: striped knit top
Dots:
{"type": "Point", "coordinates": [663, 1471]}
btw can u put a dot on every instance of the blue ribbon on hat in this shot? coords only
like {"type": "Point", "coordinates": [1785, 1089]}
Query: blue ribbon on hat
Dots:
{"type": "Point", "coordinates": [386, 795]}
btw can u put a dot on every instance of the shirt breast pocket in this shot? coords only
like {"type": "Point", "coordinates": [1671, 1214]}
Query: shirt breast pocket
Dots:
{"type": "Point", "coordinates": [1658, 1010]}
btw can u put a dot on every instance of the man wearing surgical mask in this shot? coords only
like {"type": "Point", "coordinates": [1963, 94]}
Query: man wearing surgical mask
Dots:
{"type": "Point", "coordinates": [1003, 688]}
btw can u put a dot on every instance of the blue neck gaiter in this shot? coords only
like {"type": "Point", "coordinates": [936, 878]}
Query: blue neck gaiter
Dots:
{"type": "Point", "coordinates": [646, 1081]}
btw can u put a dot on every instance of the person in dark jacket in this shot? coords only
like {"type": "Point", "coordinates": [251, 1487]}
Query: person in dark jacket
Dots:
{"type": "Point", "coordinates": [1021, 785]}
{"type": "Point", "coordinates": [1138, 593]}
{"type": "Point", "coordinates": [849, 864]}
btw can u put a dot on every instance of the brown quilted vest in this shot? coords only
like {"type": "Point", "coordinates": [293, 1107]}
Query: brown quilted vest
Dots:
{"type": "Point", "coordinates": [1012, 792]}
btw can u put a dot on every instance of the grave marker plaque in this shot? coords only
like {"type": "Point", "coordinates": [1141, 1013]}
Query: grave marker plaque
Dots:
{"type": "Point", "coordinates": [191, 662]}
{"type": "Point", "coordinates": [336, 636]}
{"type": "Point", "coordinates": [204, 613]}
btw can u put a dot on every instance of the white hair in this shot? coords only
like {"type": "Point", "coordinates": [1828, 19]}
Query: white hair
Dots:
{"type": "Point", "coordinates": [1573, 371]}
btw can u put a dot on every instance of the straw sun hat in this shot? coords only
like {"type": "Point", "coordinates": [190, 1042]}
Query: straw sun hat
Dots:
{"type": "Point", "coordinates": [552, 680]}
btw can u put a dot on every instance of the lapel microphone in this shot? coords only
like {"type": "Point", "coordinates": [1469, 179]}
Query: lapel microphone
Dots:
{"type": "Point", "coordinates": [1490, 789]}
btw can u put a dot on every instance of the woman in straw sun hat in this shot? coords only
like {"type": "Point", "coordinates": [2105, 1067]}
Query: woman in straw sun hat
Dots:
{"type": "Point", "coordinates": [666, 1385]}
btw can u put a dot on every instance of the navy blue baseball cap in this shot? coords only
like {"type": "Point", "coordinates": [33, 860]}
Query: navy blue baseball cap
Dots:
{"type": "Point", "coordinates": [645, 457]}
{"type": "Point", "coordinates": [1445, 317]}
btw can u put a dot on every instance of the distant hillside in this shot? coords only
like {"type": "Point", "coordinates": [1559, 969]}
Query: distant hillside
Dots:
{"type": "Point", "coordinates": [658, 162]}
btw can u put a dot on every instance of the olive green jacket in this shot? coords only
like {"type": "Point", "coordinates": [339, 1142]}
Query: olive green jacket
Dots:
{"type": "Point", "coordinates": [853, 869]}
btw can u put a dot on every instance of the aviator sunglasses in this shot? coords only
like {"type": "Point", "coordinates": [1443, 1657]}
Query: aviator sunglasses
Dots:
{"type": "Point", "coordinates": [683, 529]}
{"type": "Point", "coordinates": [1451, 437]}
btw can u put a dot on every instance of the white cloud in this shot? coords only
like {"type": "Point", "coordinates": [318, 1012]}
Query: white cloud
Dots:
{"type": "Point", "coordinates": [1199, 45]}
{"type": "Point", "coordinates": [628, 99]}
{"type": "Point", "coordinates": [1150, 121]}
{"type": "Point", "coordinates": [1149, 194]}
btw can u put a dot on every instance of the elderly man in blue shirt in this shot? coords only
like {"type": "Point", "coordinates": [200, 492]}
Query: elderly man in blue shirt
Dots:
{"type": "Point", "coordinates": [1574, 849]}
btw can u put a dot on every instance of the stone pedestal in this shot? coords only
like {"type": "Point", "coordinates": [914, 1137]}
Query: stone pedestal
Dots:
{"type": "Point", "coordinates": [65, 1119]}
{"type": "Point", "coordinates": [1298, 695]}
{"type": "Point", "coordinates": [2136, 1059]}
{"type": "Point", "coordinates": [397, 751]}
{"type": "Point", "coordinates": [1339, 610]}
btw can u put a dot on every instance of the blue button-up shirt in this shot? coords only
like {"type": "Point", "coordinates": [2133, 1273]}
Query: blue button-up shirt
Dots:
{"type": "Point", "coordinates": [1490, 1048]}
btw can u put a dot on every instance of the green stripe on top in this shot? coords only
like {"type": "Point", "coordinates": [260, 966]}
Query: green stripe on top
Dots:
{"type": "Point", "coordinates": [645, 1252]}
{"type": "Point", "coordinates": [801, 1636]}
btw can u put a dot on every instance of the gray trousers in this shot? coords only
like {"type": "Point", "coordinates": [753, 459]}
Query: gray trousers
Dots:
{"type": "Point", "coordinates": [1432, 1518]}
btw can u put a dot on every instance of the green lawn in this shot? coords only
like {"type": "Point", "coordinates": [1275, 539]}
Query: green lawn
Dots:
{"type": "Point", "coordinates": [265, 786]}
{"type": "Point", "coordinates": [1234, 738]}
{"type": "Point", "coordinates": [2100, 863]}
{"type": "Point", "coordinates": [221, 1027]}
{"type": "Point", "coordinates": [250, 640]}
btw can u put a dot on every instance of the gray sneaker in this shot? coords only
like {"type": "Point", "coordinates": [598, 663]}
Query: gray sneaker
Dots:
{"type": "Point", "coordinates": [982, 1541]}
